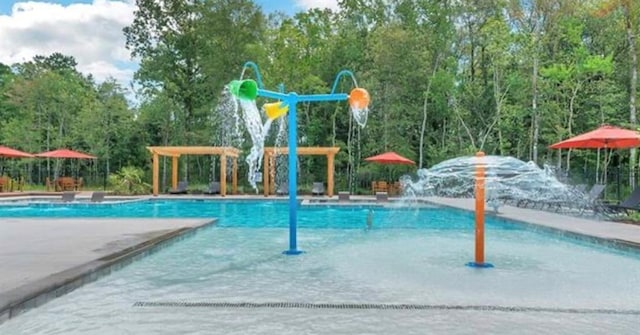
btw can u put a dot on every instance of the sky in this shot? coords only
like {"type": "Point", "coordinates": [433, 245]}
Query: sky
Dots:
{"type": "Point", "coordinates": [90, 31]}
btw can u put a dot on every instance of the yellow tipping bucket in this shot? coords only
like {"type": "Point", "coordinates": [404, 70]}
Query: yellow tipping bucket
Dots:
{"type": "Point", "coordinates": [275, 110]}
{"type": "Point", "coordinates": [359, 98]}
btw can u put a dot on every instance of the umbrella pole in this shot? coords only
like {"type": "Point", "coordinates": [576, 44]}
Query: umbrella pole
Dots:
{"type": "Point", "coordinates": [604, 168]}
{"type": "Point", "coordinates": [598, 166]}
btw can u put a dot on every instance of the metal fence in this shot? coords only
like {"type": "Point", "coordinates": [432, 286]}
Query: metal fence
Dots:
{"type": "Point", "coordinates": [617, 181]}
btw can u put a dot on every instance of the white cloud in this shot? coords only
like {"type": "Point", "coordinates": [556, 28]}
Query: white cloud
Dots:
{"type": "Point", "coordinates": [103, 69]}
{"type": "Point", "coordinates": [306, 4]}
{"type": "Point", "coordinates": [91, 33]}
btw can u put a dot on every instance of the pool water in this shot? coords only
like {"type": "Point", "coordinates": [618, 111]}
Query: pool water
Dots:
{"type": "Point", "coordinates": [541, 283]}
{"type": "Point", "coordinates": [257, 214]}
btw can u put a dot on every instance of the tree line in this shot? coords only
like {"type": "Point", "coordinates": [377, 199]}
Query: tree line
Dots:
{"type": "Point", "coordinates": [446, 78]}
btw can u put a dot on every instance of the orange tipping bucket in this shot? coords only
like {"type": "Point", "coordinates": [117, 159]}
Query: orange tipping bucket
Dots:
{"type": "Point", "coordinates": [359, 98]}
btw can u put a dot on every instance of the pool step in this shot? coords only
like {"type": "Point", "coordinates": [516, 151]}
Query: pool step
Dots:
{"type": "Point", "coordinates": [374, 306]}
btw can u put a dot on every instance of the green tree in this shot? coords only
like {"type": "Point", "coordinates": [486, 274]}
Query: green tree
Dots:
{"type": "Point", "coordinates": [630, 14]}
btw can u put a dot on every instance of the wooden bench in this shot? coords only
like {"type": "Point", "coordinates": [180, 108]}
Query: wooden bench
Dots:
{"type": "Point", "coordinates": [379, 186]}
{"type": "Point", "coordinates": [5, 184]}
{"type": "Point", "coordinates": [395, 188]}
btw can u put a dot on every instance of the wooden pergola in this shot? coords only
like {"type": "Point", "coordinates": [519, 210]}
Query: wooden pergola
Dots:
{"type": "Point", "coordinates": [176, 152]}
{"type": "Point", "coordinates": [269, 164]}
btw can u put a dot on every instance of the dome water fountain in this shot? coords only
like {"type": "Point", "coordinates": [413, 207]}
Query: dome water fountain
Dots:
{"type": "Point", "coordinates": [508, 181]}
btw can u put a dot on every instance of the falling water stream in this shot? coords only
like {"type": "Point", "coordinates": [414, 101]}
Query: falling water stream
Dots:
{"type": "Point", "coordinates": [237, 112]}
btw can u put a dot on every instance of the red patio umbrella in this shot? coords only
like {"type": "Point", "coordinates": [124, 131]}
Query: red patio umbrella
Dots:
{"type": "Point", "coordinates": [604, 137]}
{"type": "Point", "coordinates": [13, 153]}
{"type": "Point", "coordinates": [65, 153]}
{"type": "Point", "coordinates": [6, 152]}
{"type": "Point", "coordinates": [390, 158]}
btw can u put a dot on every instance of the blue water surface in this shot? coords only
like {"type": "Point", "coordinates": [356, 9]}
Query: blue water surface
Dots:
{"type": "Point", "coordinates": [264, 214]}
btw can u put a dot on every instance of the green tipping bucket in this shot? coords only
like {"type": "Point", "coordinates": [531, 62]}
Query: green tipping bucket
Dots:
{"type": "Point", "coordinates": [244, 89]}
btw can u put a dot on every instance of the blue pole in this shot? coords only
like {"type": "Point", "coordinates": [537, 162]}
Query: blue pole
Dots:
{"type": "Point", "coordinates": [292, 100]}
{"type": "Point", "coordinates": [323, 97]}
{"type": "Point", "coordinates": [272, 94]}
{"type": "Point", "coordinates": [254, 66]}
{"type": "Point", "coordinates": [340, 75]}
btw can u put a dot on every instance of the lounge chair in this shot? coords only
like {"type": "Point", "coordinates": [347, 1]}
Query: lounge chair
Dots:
{"type": "Point", "coordinates": [97, 196]}
{"type": "Point", "coordinates": [592, 199]}
{"type": "Point", "coordinates": [344, 196]}
{"type": "Point", "coordinates": [382, 197]}
{"type": "Point", "coordinates": [68, 196]}
{"type": "Point", "coordinates": [631, 203]}
{"type": "Point", "coordinates": [181, 189]}
{"type": "Point", "coordinates": [580, 188]}
{"type": "Point", "coordinates": [214, 188]}
{"type": "Point", "coordinates": [283, 189]}
{"type": "Point", "coordinates": [317, 189]}
{"type": "Point", "coordinates": [597, 190]}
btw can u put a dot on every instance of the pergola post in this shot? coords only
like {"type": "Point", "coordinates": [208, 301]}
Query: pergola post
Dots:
{"type": "Point", "coordinates": [156, 173]}
{"type": "Point", "coordinates": [272, 174]}
{"type": "Point", "coordinates": [174, 172]}
{"type": "Point", "coordinates": [234, 176]}
{"type": "Point", "coordinates": [223, 175]}
{"type": "Point", "coordinates": [265, 174]}
{"type": "Point", "coordinates": [330, 173]}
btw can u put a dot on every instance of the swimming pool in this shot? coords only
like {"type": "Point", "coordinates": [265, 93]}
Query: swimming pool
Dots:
{"type": "Point", "coordinates": [406, 276]}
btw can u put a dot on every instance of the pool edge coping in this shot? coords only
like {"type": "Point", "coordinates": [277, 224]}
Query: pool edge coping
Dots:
{"type": "Point", "coordinates": [31, 295]}
{"type": "Point", "coordinates": [617, 243]}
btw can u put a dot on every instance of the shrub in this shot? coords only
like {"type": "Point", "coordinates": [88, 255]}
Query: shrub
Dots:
{"type": "Point", "coordinates": [129, 181]}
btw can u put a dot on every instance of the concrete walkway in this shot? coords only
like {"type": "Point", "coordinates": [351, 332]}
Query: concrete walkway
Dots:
{"type": "Point", "coordinates": [613, 231]}
{"type": "Point", "coordinates": [40, 255]}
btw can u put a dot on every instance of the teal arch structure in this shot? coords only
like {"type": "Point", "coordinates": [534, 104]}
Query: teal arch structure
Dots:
{"type": "Point", "coordinates": [291, 99]}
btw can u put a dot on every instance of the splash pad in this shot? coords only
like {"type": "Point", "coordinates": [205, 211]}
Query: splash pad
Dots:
{"type": "Point", "coordinates": [246, 91]}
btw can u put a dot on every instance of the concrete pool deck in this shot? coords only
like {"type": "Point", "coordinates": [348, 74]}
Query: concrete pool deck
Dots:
{"type": "Point", "coordinates": [617, 232]}
{"type": "Point", "coordinates": [42, 258]}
